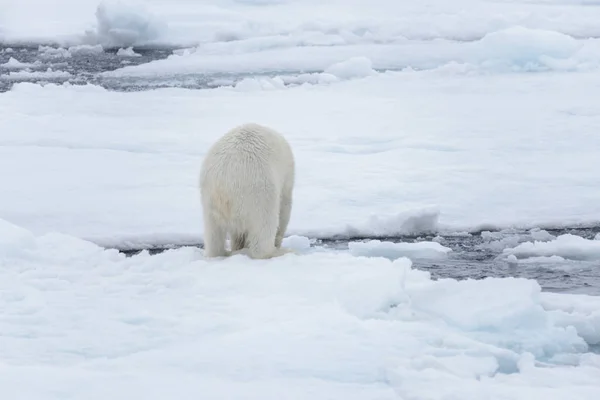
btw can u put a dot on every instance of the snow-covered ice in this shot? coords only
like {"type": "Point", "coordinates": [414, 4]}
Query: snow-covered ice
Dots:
{"type": "Point", "coordinates": [127, 52]}
{"type": "Point", "coordinates": [85, 322]}
{"type": "Point", "coordinates": [285, 23]}
{"type": "Point", "coordinates": [503, 239]}
{"type": "Point", "coordinates": [14, 64]}
{"type": "Point", "coordinates": [406, 118]}
{"type": "Point", "coordinates": [566, 246]}
{"type": "Point", "coordinates": [52, 52]}
{"type": "Point", "coordinates": [85, 49]}
{"type": "Point", "coordinates": [395, 153]}
{"type": "Point", "coordinates": [378, 248]}
{"type": "Point", "coordinates": [35, 75]}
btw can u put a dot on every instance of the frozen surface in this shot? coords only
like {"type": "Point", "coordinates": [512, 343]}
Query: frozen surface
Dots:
{"type": "Point", "coordinates": [35, 75]}
{"type": "Point", "coordinates": [389, 154]}
{"type": "Point", "coordinates": [127, 52]}
{"type": "Point", "coordinates": [14, 64]}
{"type": "Point", "coordinates": [378, 248]}
{"type": "Point", "coordinates": [287, 23]}
{"type": "Point", "coordinates": [567, 246]}
{"type": "Point", "coordinates": [490, 121]}
{"type": "Point", "coordinates": [81, 321]}
{"type": "Point", "coordinates": [511, 49]}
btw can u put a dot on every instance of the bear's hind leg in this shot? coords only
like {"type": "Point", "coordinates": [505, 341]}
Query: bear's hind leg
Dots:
{"type": "Point", "coordinates": [214, 237]}
{"type": "Point", "coordinates": [285, 210]}
{"type": "Point", "coordinates": [261, 242]}
{"type": "Point", "coordinates": [238, 241]}
{"type": "Point", "coordinates": [261, 235]}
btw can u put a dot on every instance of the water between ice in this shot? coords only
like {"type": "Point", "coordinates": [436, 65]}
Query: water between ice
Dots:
{"type": "Point", "coordinates": [480, 255]}
{"type": "Point", "coordinates": [474, 256]}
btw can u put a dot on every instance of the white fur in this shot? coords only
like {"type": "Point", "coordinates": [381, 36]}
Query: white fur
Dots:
{"type": "Point", "coordinates": [246, 186]}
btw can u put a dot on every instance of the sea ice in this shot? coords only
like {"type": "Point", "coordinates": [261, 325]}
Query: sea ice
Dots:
{"type": "Point", "coordinates": [568, 246]}
{"type": "Point", "coordinates": [13, 63]}
{"type": "Point", "coordinates": [127, 52]}
{"type": "Point", "coordinates": [81, 321]}
{"type": "Point", "coordinates": [378, 157]}
{"type": "Point", "coordinates": [30, 75]}
{"type": "Point", "coordinates": [377, 248]}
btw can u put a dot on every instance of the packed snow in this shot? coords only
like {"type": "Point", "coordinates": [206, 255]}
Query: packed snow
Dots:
{"type": "Point", "coordinates": [127, 52]}
{"type": "Point", "coordinates": [511, 49]}
{"type": "Point", "coordinates": [430, 250]}
{"type": "Point", "coordinates": [396, 153]}
{"type": "Point", "coordinates": [85, 49]}
{"type": "Point", "coordinates": [49, 73]}
{"type": "Point", "coordinates": [14, 64]}
{"type": "Point", "coordinates": [503, 239]}
{"type": "Point", "coordinates": [287, 23]}
{"type": "Point", "coordinates": [571, 247]}
{"type": "Point", "coordinates": [52, 52]}
{"type": "Point", "coordinates": [406, 118]}
{"type": "Point", "coordinates": [82, 321]}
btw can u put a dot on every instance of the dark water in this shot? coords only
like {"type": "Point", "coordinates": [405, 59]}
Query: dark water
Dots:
{"type": "Point", "coordinates": [475, 256]}
{"type": "Point", "coordinates": [86, 68]}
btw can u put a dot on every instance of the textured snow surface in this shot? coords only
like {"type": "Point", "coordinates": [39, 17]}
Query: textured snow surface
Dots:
{"type": "Point", "coordinates": [79, 321]}
{"type": "Point", "coordinates": [264, 22]}
{"type": "Point", "coordinates": [393, 153]}
{"type": "Point", "coordinates": [428, 250]}
{"type": "Point", "coordinates": [567, 246]}
{"type": "Point", "coordinates": [314, 36]}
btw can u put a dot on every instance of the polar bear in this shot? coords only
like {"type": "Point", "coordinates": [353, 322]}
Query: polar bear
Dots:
{"type": "Point", "coordinates": [246, 185]}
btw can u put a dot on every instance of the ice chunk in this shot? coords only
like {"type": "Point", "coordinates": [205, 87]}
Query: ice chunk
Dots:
{"type": "Point", "coordinates": [498, 241]}
{"type": "Point", "coordinates": [567, 246]}
{"type": "Point", "coordinates": [296, 242]}
{"type": "Point", "coordinates": [85, 50]}
{"type": "Point", "coordinates": [35, 75]}
{"type": "Point", "coordinates": [579, 311]}
{"type": "Point", "coordinates": [541, 259]}
{"type": "Point", "coordinates": [13, 63]}
{"type": "Point", "coordinates": [520, 45]}
{"type": "Point", "coordinates": [404, 223]}
{"type": "Point", "coordinates": [127, 52]}
{"type": "Point", "coordinates": [356, 67]}
{"type": "Point", "coordinates": [52, 52]}
{"type": "Point", "coordinates": [541, 235]}
{"type": "Point", "coordinates": [377, 248]}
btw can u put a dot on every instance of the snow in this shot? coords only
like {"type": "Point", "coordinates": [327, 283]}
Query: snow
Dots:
{"type": "Point", "coordinates": [406, 118]}
{"type": "Point", "coordinates": [391, 250]}
{"type": "Point", "coordinates": [538, 50]}
{"type": "Point", "coordinates": [127, 52]}
{"type": "Point", "coordinates": [84, 49]}
{"type": "Point", "coordinates": [357, 67]}
{"type": "Point", "coordinates": [13, 63]}
{"type": "Point", "coordinates": [567, 246]}
{"type": "Point", "coordinates": [83, 321]}
{"type": "Point", "coordinates": [396, 153]}
{"type": "Point", "coordinates": [296, 242]}
{"type": "Point", "coordinates": [268, 23]}
{"type": "Point", "coordinates": [503, 239]}
{"type": "Point", "coordinates": [51, 52]}
{"type": "Point", "coordinates": [25, 75]}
